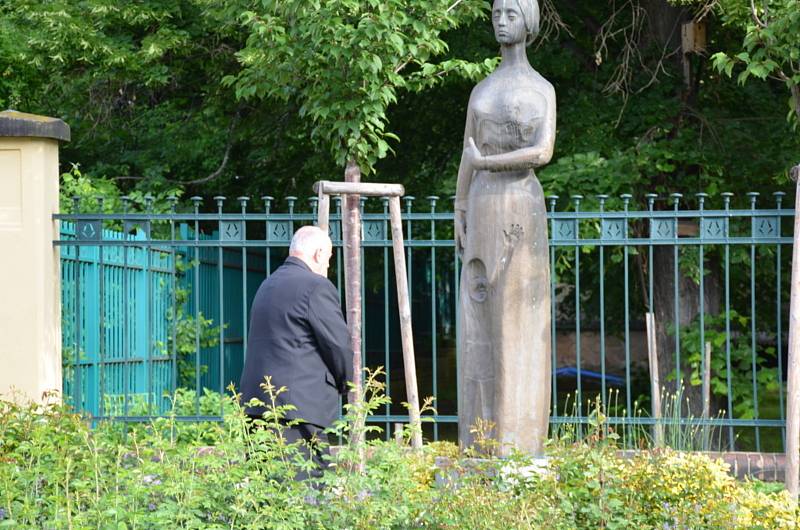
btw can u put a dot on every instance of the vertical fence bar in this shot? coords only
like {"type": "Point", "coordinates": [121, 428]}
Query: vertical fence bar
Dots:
{"type": "Point", "coordinates": [576, 200]}
{"type": "Point", "coordinates": [126, 355]}
{"type": "Point", "coordinates": [148, 201]}
{"type": "Point", "coordinates": [340, 235]}
{"type": "Point", "coordinates": [602, 202]}
{"type": "Point", "coordinates": [290, 202]}
{"type": "Point", "coordinates": [102, 319]}
{"type": "Point", "coordinates": [553, 339]}
{"type": "Point", "coordinates": [386, 360]}
{"type": "Point", "coordinates": [339, 271]}
{"type": "Point", "coordinates": [676, 197]}
{"type": "Point", "coordinates": [779, 331]}
{"type": "Point", "coordinates": [267, 236]}
{"type": "Point", "coordinates": [243, 202]}
{"type": "Point", "coordinates": [701, 198]}
{"type": "Point", "coordinates": [76, 207]}
{"type": "Point", "coordinates": [148, 358]}
{"type": "Point", "coordinates": [363, 273]}
{"type": "Point", "coordinates": [434, 320]}
{"type": "Point", "coordinates": [409, 236]}
{"type": "Point", "coordinates": [726, 197]}
{"type": "Point", "coordinates": [220, 301]}
{"type": "Point", "coordinates": [651, 199]}
{"type": "Point", "coordinates": [753, 197]}
{"type": "Point", "coordinates": [315, 204]}
{"type": "Point", "coordinates": [196, 287]}
{"type": "Point", "coordinates": [173, 203]}
{"type": "Point", "coordinates": [626, 199]}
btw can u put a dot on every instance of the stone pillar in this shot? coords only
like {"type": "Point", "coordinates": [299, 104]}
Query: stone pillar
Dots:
{"type": "Point", "coordinates": [30, 282]}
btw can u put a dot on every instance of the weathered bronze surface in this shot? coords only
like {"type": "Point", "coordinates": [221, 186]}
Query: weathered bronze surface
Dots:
{"type": "Point", "coordinates": [501, 233]}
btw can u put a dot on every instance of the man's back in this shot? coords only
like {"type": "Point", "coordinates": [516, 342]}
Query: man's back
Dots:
{"type": "Point", "coordinates": [299, 338]}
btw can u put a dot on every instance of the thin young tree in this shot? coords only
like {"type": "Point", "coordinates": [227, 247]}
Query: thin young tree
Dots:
{"type": "Point", "coordinates": [343, 63]}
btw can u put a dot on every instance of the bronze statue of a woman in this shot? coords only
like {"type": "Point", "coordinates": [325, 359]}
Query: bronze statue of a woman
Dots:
{"type": "Point", "coordinates": [501, 233]}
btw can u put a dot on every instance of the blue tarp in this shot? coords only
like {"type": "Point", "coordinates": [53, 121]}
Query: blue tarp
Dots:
{"type": "Point", "coordinates": [571, 371]}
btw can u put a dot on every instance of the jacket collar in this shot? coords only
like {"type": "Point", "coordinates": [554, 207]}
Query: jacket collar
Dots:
{"type": "Point", "coordinates": [297, 262]}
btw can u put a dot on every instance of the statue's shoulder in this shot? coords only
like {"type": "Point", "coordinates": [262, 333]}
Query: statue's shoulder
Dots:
{"type": "Point", "coordinates": [481, 87]}
{"type": "Point", "coordinates": [541, 83]}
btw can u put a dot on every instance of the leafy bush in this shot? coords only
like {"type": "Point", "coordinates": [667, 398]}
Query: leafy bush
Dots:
{"type": "Point", "coordinates": [57, 472]}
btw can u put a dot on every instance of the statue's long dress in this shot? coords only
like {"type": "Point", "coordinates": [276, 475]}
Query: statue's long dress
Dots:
{"type": "Point", "coordinates": [505, 336]}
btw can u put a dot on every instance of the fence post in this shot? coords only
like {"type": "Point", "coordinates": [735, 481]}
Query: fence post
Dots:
{"type": "Point", "coordinates": [30, 282]}
{"type": "Point", "coordinates": [793, 375]}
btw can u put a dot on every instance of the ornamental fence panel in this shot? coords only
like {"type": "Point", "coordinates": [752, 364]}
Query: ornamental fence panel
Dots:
{"type": "Point", "coordinates": [158, 302]}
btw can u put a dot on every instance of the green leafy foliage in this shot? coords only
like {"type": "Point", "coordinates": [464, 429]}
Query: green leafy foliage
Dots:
{"type": "Point", "coordinates": [742, 361]}
{"type": "Point", "coordinates": [343, 62]}
{"type": "Point", "coordinates": [770, 48]}
{"type": "Point", "coordinates": [57, 472]}
{"type": "Point", "coordinates": [141, 85]}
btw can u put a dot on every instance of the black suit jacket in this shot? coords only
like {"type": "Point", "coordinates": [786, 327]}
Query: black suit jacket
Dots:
{"type": "Point", "coordinates": [298, 336]}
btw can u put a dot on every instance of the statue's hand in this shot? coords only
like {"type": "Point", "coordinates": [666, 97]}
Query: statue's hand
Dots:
{"type": "Point", "coordinates": [460, 218]}
{"type": "Point", "coordinates": [472, 155]}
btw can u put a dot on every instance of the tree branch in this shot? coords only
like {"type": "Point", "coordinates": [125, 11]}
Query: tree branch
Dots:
{"type": "Point", "coordinates": [453, 6]}
{"type": "Point", "coordinates": [401, 66]}
{"type": "Point", "coordinates": [127, 177]}
{"type": "Point", "coordinates": [225, 157]}
{"type": "Point", "coordinates": [754, 14]}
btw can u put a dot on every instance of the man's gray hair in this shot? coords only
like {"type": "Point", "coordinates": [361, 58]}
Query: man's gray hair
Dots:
{"type": "Point", "coordinates": [307, 239]}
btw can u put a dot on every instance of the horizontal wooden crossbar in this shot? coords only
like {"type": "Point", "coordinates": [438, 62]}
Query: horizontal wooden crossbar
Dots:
{"type": "Point", "coordinates": [368, 189]}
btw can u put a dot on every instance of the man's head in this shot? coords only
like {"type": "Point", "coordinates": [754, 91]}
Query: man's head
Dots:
{"type": "Point", "coordinates": [312, 245]}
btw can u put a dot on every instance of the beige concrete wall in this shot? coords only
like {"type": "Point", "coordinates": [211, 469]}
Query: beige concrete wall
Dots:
{"type": "Point", "coordinates": [30, 288]}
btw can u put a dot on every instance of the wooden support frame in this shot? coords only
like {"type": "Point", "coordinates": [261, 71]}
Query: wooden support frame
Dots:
{"type": "Point", "coordinates": [655, 384]}
{"type": "Point", "coordinates": [324, 189]}
{"type": "Point", "coordinates": [793, 375]}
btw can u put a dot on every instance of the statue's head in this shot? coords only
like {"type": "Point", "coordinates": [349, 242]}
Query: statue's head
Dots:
{"type": "Point", "coordinates": [515, 21]}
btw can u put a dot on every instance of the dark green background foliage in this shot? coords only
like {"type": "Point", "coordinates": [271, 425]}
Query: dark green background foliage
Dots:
{"type": "Point", "coordinates": [201, 95]}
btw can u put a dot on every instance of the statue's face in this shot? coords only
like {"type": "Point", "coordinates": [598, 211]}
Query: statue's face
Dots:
{"type": "Point", "coordinates": [509, 25]}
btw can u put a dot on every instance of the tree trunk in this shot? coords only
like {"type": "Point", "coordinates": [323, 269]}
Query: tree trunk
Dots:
{"type": "Point", "coordinates": [664, 25]}
{"type": "Point", "coordinates": [688, 310]}
{"type": "Point", "coordinates": [352, 274]}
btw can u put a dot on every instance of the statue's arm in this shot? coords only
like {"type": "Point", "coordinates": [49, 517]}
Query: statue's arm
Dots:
{"type": "Point", "coordinates": [466, 168]}
{"type": "Point", "coordinates": [534, 156]}
{"type": "Point", "coordinates": [466, 171]}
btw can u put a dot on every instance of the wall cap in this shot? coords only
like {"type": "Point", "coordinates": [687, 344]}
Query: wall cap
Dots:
{"type": "Point", "coordinates": [21, 124]}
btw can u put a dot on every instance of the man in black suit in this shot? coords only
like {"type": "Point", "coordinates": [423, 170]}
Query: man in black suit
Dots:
{"type": "Point", "coordinates": [298, 336]}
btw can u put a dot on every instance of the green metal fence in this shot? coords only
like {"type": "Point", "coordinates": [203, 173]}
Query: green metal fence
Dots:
{"type": "Point", "coordinates": [162, 301]}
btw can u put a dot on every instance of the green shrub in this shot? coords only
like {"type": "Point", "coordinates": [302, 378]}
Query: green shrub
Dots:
{"type": "Point", "coordinates": [57, 472]}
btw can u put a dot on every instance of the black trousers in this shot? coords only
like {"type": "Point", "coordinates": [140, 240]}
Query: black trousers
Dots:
{"type": "Point", "coordinates": [314, 444]}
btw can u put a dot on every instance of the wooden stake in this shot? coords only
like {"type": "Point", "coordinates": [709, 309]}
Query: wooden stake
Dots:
{"type": "Point", "coordinates": [655, 384]}
{"type": "Point", "coordinates": [793, 374]}
{"type": "Point", "coordinates": [707, 382]}
{"type": "Point", "coordinates": [352, 236]}
{"type": "Point", "coordinates": [407, 337]}
{"type": "Point", "coordinates": [324, 210]}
